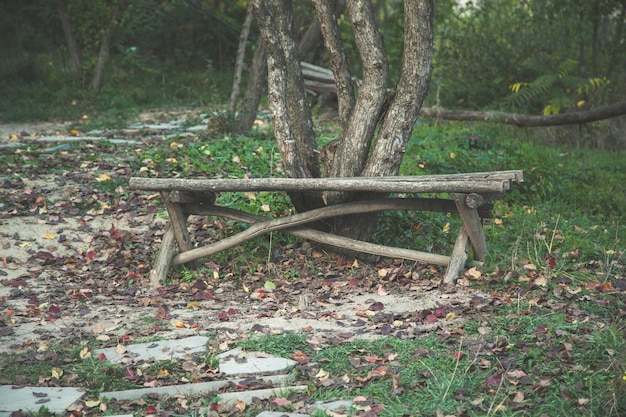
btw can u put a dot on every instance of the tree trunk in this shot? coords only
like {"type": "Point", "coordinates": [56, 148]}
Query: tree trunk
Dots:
{"type": "Point", "coordinates": [105, 44]}
{"type": "Point", "coordinates": [357, 152]}
{"type": "Point", "coordinates": [72, 46]}
{"type": "Point", "coordinates": [293, 124]}
{"type": "Point", "coordinates": [241, 51]}
{"type": "Point", "coordinates": [256, 88]}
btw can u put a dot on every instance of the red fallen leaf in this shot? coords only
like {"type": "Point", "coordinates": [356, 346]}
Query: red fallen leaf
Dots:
{"type": "Point", "coordinates": [300, 357]}
{"type": "Point", "coordinates": [377, 306]}
{"type": "Point", "coordinates": [458, 355]}
{"type": "Point", "coordinates": [203, 295]}
{"type": "Point", "coordinates": [281, 401]}
{"type": "Point", "coordinates": [606, 287]}
{"type": "Point", "coordinates": [151, 409]}
{"type": "Point", "coordinates": [550, 261]}
{"type": "Point", "coordinates": [18, 283]}
{"type": "Point", "coordinates": [354, 282]}
{"type": "Point", "coordinates": [102, 357]}
{"type": "Point", "coordinates": [494, 380]}
{"type": "Point", "coordinates": [151, 209]}
{"type": "Point", "coordinates": [232, 311]}
{"type": "Point", "coordinates": [90, 254]}
{"type": "Point", "coordinates": [371, 359]}
{"type": "Point", "coordinates": [222, 315]}
{"type": "Point", "coordinates": [257, 328]}
{"type": "Point", "coordinates": [53, 309]}
{"type": "Point", "coordinates": [42, 254]}
{"type": "Point", "coordinates": [440, 312]}
{"type": "Point", "coordinates": [199, 284]}
{"type": "Point", "coordinates": [129, 373]}
{"type": "Point", "coordinates": [114, 232]}
{"type": "Point", "coordinates": [430, 319]}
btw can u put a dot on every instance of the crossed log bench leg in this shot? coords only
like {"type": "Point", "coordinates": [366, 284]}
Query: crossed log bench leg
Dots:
{"type": "Point", "coordinates": [181, 204]}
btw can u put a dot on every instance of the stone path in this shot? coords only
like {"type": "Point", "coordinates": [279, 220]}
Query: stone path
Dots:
{"type": "Point", "coordinates": [234, 362]}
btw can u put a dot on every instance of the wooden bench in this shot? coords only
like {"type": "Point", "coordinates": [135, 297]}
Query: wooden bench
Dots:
{"type": "Point", "coordinates": [469, 196]}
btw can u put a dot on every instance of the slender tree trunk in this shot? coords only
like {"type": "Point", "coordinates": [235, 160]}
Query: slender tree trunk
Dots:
{"type": "Point", "coordinates": [241, 51]}
{"type": "Point", "coordinates": [105, 44]}
{"type": "Point", "coordinates": [72, 46]}
{"type": "Point", "coordinates": [256, 88]}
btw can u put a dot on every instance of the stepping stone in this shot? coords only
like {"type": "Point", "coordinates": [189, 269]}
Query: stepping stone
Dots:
{"type": "Point", "coordinates": [279, 414]}
{"type": "Point", "coordinates": [333, 405]}
{"type": "Point", "coordinates": [56, 399]}
{"type": "Point", "coordinates": [262, 394]}
{"type": "Point", "coordinates": [186, 389]}
{"type": "Point", "coordinates": [239, 362]}
{"type": "Point", "coordinates": [161, 350]}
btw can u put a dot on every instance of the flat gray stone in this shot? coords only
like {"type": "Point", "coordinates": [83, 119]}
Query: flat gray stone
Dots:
{"type": "Point", "coordinates": [185, 389]}
{"type": "Point", "coordinates": [263, 394]}
{"type": "Point", "coordinates": [55, 399]}
{"type": "Point", "coordinates": [161, 350]}
{"type": "Point", "coordinates": [333, 405]}
{"type": "Point", "coordinates": [239, 362]}
{"type": "Point", "coordinates": [279, 414]}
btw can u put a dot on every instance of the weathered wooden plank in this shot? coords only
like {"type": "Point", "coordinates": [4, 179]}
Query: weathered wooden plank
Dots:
{"type": "Point", "coordinates": [321, 184]}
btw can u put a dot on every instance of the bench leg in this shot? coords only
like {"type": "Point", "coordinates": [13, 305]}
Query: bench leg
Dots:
{"type": "Point", "coordinates": [458, 258]}
{"type": "Point", "coordinates": [178, 221]}
{"type": "Point", "coordinates": [473, 224]}
{"type": "Point", "coordinates": [164, 258]}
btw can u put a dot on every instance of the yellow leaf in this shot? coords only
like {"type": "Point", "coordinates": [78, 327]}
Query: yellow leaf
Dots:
{"type": "Point", "coordinates": [173, 144]}
{"type": "Point", "coordinates": [85, 117]}
{"type": "Point", "coordinates": [382, 272]}
{"type": "Point", "coordinates": [450, 316]}
{"type": "Point", "coordinates": [57, 373]}
{"type": "Point", "coordinates": [103, 177]}
{"type": "Point", "coordinates": [452, 155]}
{"type": "Point", "coordinates": [240, 406]}
{"type": "Point", "coordinates": [497, 222]}
{"type": "Point", "coordinates": [85, 353]}
{"type": "Point", "coordinates": [194, 304]}
{"type": "Point", "coordinates": [74, 132]}
{"type": "Point", "coordinates": [120, 349]}
{"type": "Point", "coordinates": [446, 228]}
{"type": "Point", "coordinates": [581, 104]}
{"type": "Point", "coordinates": [322, 374]}
{"type": "Point", "coordinates": [48, 235]}
{"type": "Point", "coordinates": [14, 137]}
{"type": "Point", "coordinates": [180, 325]}
{"type": "Point", "coordinates": [163, 373]}
{"type": "Point", "coordinates": [250, 195]}
{"type": "Point", "coordinates": [92, 403]}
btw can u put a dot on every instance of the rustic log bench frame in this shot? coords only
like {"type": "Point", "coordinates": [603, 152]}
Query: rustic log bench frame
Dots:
{"type": "Point", "coordinates": [470, 195]}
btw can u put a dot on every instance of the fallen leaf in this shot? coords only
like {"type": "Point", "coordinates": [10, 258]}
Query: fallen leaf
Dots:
{"type": "Point", "coordinates": [48, 235]}
{"type": "Point", "coordinates": [85, 353]}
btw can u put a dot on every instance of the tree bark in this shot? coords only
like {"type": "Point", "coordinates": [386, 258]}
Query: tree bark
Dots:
{"type": "Point", "coordinates": [105, 45]}
{"type": "Point", "coordinates": [293, 122]}
{"type": "Point", "coordinates": [523, 120]}
{"type": "Point", "coordinates": [334, 46]}
{"type": "Point", "coordinates": [256, 88]}
{"type": "Point", "coordinates": [352, 154]}
{"type": "Point", "coordinates": [72, 46]}
{"type": "Point", "coordinates": [241, 52]}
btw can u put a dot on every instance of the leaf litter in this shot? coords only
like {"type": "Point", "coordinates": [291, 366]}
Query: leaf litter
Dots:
{"type": "Point", "coordinates": [74, 267]}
